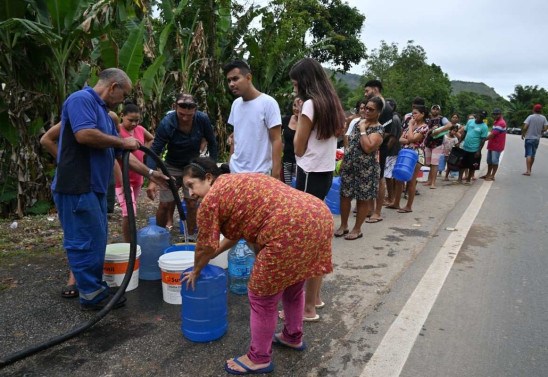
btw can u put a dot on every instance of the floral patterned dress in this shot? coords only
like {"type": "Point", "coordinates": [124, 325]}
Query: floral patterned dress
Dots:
{"type": "Point", "coordinates": [360, 171]}
{"type": "Point", "coordinates": [292, 228]}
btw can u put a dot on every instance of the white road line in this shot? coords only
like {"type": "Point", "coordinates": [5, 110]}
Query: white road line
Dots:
{"type": "Point", "coordinates": [394, 349]}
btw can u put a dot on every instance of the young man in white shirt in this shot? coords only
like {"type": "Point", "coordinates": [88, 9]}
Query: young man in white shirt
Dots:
{"type": "Point", "coordinates": [257, 123]}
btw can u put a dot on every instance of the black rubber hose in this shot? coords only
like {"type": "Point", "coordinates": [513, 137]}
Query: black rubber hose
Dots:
{"type": "Point", "coordinates": [77, 330]}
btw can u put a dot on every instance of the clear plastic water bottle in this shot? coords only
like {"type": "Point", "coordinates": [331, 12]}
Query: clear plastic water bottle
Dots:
{"type": "Point", "coordinates": [240, 263]}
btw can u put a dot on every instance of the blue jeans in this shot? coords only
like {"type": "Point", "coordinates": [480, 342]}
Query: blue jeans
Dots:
{"type": "Point", "coordinates": [85, 227]}
{"type": "Point", "coordinates": [531, 146]}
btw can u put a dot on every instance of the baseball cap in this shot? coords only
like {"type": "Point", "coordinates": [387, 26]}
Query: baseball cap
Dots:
{"type": "Point", "coordinates": [537, 107]}
{"type": "Point", "coordinates": [497, 111]}
{"type": "Point", "coordinates": [435, 107]}
{"type": "Point", "coordinates": [483, 113]}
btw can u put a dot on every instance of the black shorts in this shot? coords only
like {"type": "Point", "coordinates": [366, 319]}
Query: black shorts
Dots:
{"type": "Point", "coordinates": [470, 161]}
{"type": "Point", "coordinates": [314, 183]}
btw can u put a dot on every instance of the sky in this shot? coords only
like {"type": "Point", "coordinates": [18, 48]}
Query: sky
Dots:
{"type": "Point", "coordinates": [501, 43]}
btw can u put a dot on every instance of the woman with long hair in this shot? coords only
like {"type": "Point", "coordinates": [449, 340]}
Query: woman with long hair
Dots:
{"type": "Point", "coordinates": [321, 121]}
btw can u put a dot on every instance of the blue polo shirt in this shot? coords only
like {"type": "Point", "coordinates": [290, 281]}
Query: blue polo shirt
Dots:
{"type": "Point", "coordinates": [82, 169]}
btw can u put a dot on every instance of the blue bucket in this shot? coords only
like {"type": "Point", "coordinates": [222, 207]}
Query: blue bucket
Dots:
{"type": "Point", "coordinates": [180, 247]}
{"type": "Point", "coordinates": [405, 165]}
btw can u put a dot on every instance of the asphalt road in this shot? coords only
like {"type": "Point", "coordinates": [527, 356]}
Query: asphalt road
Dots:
{"type": "Point", "coordinates": [491, 316]}
{"type": "Point", "coordinates": [373, 279]}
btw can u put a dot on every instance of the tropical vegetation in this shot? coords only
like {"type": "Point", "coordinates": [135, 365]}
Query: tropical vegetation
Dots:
{"type": "Point", "coordinates": [51, 48]}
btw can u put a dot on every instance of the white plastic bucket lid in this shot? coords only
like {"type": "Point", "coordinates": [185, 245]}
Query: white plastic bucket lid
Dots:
{"type": "Point", "coordinates": [119, 252]}
{"type": "Point", "coordinates": [176, 261]}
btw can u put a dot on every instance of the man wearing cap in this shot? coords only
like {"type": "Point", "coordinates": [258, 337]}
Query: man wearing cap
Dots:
{"type": "Point", "coordinates": [181, 131]}
{"type": "Point", "coordinates": [495, 145]}
{"type": "Point", "coordinates": [475, 134]}
{"type": "Point", "coordinates": [257, 123]}
{"type": "Point", "coordinates": [531, 132]}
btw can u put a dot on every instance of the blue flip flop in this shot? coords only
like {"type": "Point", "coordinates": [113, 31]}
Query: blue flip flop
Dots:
{"type": "Point", "coordinates": [248, 370]}
{"type": "Point", "coordinates": [276, 340]}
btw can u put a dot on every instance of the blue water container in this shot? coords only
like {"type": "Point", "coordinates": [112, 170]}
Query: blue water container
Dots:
{"type": "Point", "coordinates": [240, 264]}
{"type": "Point", "coordinates": [204, 311]}
{"type": "Point", "coordinates": [153, 240]}
{"type": "Point", "coordinates": [405, 165]}
{"type": "Point", "coordinates": [333, 198]}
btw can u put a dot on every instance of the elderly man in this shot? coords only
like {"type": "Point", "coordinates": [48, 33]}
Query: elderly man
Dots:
{"type": "Point", "coordinates": [88, 144]}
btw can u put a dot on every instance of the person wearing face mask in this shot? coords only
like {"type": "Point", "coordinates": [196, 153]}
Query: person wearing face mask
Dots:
{"type": "Point", "coordinates": [181, 133]}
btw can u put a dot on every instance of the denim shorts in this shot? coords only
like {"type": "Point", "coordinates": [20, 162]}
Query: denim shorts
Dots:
{"type": "Point", "coordinates": [531, 146]}
{"type": "Point", "coordinates": [493, 157]}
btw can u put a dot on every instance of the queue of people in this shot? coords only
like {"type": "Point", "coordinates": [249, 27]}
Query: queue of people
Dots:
{"type": "Point", "coordinates": [290, 230]}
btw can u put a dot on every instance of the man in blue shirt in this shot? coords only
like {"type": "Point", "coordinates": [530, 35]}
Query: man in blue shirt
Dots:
{"type": "Point", "coordinates": [475, 134]}
{"type": "Point", "coordinates": [87, 146]}
{"type": "Point", "coordinates": [182, 132]}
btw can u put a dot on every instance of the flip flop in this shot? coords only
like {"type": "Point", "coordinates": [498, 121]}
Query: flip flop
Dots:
{"type": "Point", "coordinates": [373, 221]}
{"type": "Point", "coordinates": [403, 210]}
{"type": "Point", "coordinates": [319, 306]}
{"type": "Point", "coordinates": [70, 291]}
{"type": "Point", "coordinates": [433, 187]}
{"type": "Point", "coordinates": [343, 233]}
{"type": "Point", "coordinates": [360, 235]}
{"type": "Point", "coordinates": [248, 370]}
{"type": "Point", "coordinates": [316, 318]}
{"type": "Point", "coordinates": [276, 340]}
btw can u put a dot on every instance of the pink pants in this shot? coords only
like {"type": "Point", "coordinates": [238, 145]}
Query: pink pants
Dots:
{"type": "Point", "coordinates": [264, 316]}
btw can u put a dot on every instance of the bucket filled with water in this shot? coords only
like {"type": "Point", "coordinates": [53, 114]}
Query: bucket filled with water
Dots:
{"type": "Point", "coordinates": [405, 165]}
{"type": "Point", "coordinates": [115, 266]}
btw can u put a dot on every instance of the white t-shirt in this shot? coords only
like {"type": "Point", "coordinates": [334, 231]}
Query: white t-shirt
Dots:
{"type": "Point", "coordinates": [320, 154]}
{"type": "Point", "coordinates": [251, 121]}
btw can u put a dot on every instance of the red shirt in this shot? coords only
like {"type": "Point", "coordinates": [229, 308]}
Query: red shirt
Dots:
{"type": "Point", "coordinates": [499, 136]}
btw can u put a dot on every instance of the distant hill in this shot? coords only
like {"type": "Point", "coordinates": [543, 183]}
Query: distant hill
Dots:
{"type": "Point", "coordinates": [474, 87]}
{"type": "Point", "coordinates": [353, 81]}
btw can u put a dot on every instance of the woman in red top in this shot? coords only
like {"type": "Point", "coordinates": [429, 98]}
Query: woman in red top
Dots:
{"type": "Point", "coordinates": [291, 231]}
{"type": "Point", "coordinates": [130, 127]}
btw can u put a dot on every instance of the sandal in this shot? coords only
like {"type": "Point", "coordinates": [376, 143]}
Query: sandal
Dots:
{"type": "Point", "coordinates": [70, 291]}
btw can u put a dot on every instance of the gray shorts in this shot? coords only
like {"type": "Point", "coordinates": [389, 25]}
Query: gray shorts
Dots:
{"type": "Point", "coordinates": [389, 166]}
{"type": "Point", "coordinates": [165, 193]}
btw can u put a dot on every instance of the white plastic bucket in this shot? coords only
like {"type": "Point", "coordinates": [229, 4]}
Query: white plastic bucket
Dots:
{"type": "Point", "coordinates": [172, 266]}
{"type": "Point", "coordinates": [115, 266]}
{"type": "Point", "coordinates": [220, 260]}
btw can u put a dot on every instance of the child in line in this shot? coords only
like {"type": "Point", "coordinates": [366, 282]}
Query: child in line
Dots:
{"type": "Point", "coordinates": [449, 141]}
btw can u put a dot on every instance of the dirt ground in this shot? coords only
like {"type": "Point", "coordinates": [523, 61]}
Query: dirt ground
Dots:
{"type": "Point", "coordinates": [39, 238]}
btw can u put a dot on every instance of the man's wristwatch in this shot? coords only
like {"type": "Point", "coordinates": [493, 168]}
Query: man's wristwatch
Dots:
{"type": "Point", "coordinates": [150, 172]}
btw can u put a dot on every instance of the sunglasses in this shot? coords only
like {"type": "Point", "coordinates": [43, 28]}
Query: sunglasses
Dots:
{"type": "Point", "coordinates": [187, 105]}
